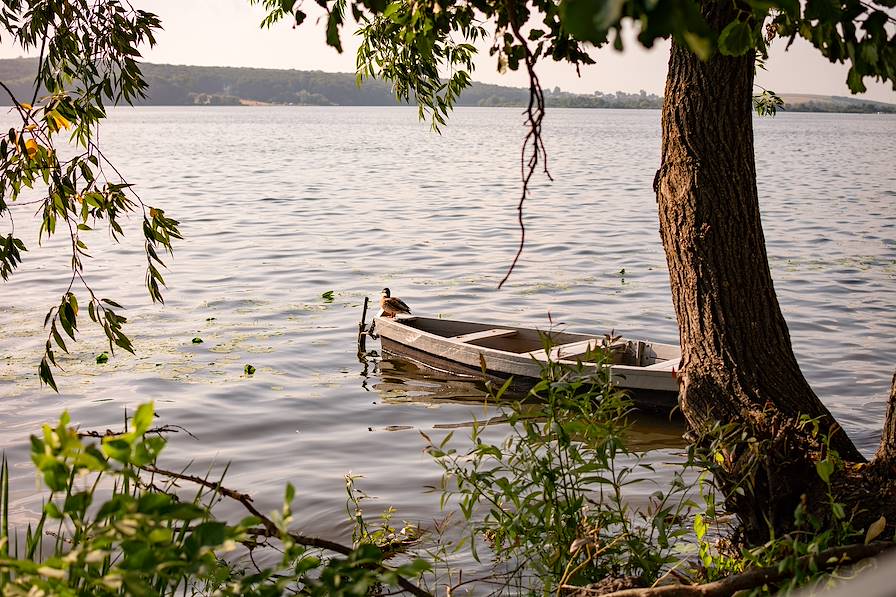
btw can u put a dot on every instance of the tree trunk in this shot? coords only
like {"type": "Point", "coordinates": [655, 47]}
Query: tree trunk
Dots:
{"type": "Point", "coordinates": [737, 361]}
{"type": "Point", "coordinates": [886, 453]}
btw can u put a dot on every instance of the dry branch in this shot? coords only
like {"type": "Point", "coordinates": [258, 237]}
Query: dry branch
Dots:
{"type": "Point", "coordinates": [270, 529]}
{"type": "Point", "coordinates": [156, 430]}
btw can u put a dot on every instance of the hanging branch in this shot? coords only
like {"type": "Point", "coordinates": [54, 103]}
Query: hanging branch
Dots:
{"type": "Point", "coordinates": [533, 141]}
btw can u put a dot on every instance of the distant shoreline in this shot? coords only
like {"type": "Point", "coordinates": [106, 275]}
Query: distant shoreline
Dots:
{"type": "Point", "coordinates": [783, 110]}
{"type": "Point", "coordinates": [174, 85]}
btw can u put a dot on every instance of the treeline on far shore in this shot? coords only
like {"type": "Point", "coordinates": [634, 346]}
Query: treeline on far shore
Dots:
{"type": "Point", "coordinates": [172, 85]}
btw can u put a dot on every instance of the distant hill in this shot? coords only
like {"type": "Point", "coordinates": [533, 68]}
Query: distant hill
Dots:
{"type": "Point", "coordinates": [801, 102]}
{"type": "Point", "coordinates": [173, 85]}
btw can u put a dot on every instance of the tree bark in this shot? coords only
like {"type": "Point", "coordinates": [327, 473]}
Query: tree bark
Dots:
{"type": "Point", "coordinates": [737, 360]}
{"type": "Point", "coordinates": [886, 453]}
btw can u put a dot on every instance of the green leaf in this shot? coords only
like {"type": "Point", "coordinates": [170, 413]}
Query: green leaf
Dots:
{"type": "Point", "coordinates": [197, 340]}
{"type": "Point", "coordinates": [824, 468]}
{"type": "Point", "coordinates": [589, 20]}
{"type": "Point", "coordinates": [699, 44]}
{"type": "Point", "coordinates": [143, 418]}
{"type": "Point", "coordinates": [854, 81]}
{"type": "Point", "coordinates": [53, 510]}
{"type": "Point", "coordinates": [391, 10]}
{"type": "Point", "coordinates": [735, 39]}
{"type": "Point", "coordinates": [699, 527]}
{"type": "Point", "coordinates": [58, 338]}
{"type": "Point", "coordinates": [117, 449]}
{"type": "Point", "coordinates": [45, 375]}
{"type": "Point", "coordinates": [249, 370]}
{"type": "Point", "coordinates": [211, 533]}
{"type": "Point", "coordinates": [837, 511]}
{"type": "Point", "coordinates": [102, 358]}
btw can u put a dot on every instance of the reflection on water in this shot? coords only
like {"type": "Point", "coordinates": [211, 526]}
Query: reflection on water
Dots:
{"type": "Point", "coordinates": [402, 380]}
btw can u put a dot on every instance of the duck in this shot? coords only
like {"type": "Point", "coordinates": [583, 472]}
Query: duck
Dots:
{"type": "Point", "coordinates": [392, 305]}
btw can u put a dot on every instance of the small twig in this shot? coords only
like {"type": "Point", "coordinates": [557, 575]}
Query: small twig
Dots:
{"type": "Point", "coordinates": [156, 430]}
{"type": "Point", "coordinates": [40, 63]}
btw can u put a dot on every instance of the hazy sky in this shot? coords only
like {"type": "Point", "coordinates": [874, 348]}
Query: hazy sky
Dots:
{"type": "Point", "coordinates": [226, 33]}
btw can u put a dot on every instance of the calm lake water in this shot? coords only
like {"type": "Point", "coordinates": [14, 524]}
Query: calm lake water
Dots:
{"type": "Point", "coordinates": [280, 205]}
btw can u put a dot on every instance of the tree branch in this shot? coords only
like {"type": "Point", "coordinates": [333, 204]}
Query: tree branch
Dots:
{"type": "Point", "coordinates": [534, 116]}
{"type": "Point", "coordinates": [270, 529]}
{"type": "Point", "coordinates": [156, 430]}
{"type": "Point", "coordinates": [825, 560]}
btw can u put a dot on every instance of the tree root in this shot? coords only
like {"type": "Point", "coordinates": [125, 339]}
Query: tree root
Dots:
{"type": "Point", "coordinates": [825, 560]}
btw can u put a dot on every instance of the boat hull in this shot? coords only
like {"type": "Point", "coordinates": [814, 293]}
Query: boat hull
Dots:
{"type": "Point", "coordinates": [645, 370]}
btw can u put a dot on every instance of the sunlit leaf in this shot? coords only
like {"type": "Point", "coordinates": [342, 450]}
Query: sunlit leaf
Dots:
{"type": "Point", "coordinates": [31, 147]}
{"type": "Point", "coordinates": [735, 39]}
{"type": "Point", "coordinates": [875, 529]}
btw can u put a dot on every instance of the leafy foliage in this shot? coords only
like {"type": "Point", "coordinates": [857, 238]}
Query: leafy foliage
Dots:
{"type": "Point", "coordinates": [146, 540]}
{"type": "Point", "coordinates": [414, 44]}
{"type": "Point", "coordinates": [549, 500]}
{"type": "Point", "coordinates": [88, 55]}
{"type": "Point", "coordinates": [382, 534]}
{"type": "Point", "coordinates": [388, 40]}
{"type": "Point", "coordinates": [814, 529]}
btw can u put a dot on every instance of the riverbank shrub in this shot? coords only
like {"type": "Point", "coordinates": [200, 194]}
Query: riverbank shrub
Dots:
{"type": "Point", "coordinates": [113, 524]}
{"type": "Point", "coordinates": [545, 507]}
{"type": "Point", "coordinates": [549, 500]}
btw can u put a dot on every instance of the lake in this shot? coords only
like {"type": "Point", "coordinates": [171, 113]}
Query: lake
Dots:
{"type": "Point", "coordinates": [280, 205]}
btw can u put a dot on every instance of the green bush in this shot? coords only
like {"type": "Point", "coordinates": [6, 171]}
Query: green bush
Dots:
{"type": "Point", "coordinates": [144, 539]}
{"type": "Point", "coordinates": [548, 500]}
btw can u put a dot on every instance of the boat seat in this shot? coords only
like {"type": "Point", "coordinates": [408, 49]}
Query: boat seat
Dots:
{"type": "Point", "coordinates": [670, 364]}
{"type": "Point", "coordinates": [573, 349]}
{"type": "Point", "coordinates": [483, 334]}
{"type": "Point", "coordinates": [564, 351]}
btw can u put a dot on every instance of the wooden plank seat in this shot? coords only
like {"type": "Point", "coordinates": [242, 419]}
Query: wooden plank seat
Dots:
{"type": "Point", "coordinates": [573, 349]}
{"type": "Point", "coordinates": [483, 334]}
{"type": "Point", "coordinates": [670, 364]}
{"type": "Point", "coordinates": [565, 351]}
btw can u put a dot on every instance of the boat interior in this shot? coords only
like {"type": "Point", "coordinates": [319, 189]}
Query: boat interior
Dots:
{"type": "Point", "coordinates": [539, 344]}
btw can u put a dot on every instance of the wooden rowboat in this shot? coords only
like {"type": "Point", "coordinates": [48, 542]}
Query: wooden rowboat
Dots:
{"type": "Point", "coordinates": [645, 369]}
